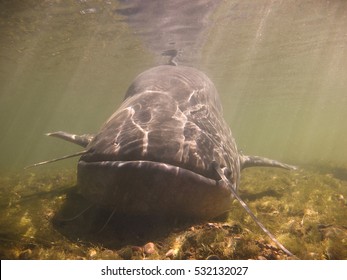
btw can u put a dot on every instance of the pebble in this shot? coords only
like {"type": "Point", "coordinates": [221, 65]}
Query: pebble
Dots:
{"type": "Point", "coordinates": [213, 257]}
{"type": "Point", "coordinates": [172, 253]}
{"type": "Point", "coordinates": [92, 252]}
{"type": "Point", "coordinates": [25, 255]}
{"type": "Point", "coordinates": [149, 248]}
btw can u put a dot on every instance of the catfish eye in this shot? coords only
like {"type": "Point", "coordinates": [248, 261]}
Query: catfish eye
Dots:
{"type": "Point", "coordinates": [227, 172]}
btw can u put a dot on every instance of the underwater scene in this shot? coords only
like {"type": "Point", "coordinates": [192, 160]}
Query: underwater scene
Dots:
{"type": "Point", "coordinates": [280, 69]}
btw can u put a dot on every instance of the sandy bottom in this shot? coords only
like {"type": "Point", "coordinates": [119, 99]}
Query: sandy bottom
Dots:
{"type": "Point", "coordinates": [306, 210]}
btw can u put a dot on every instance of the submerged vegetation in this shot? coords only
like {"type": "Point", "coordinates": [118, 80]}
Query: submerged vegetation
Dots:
{"type": "Point", "coordinates": [304, 209]}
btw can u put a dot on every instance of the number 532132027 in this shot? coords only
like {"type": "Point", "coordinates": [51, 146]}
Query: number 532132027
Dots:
{"type": "Point", "coordinates": [222, 270]}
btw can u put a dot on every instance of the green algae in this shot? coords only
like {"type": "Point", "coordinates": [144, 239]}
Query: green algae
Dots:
{"type": "Point", "coordinates": [304, 209]}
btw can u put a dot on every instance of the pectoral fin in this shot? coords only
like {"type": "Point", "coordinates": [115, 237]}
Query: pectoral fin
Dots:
{"type": "Point", "coordinates": [81, 140]}
{"type": "Point", "coordinates": [251, 161]}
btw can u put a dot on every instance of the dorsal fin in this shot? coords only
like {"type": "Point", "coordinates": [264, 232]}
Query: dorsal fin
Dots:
{"type": "Point", "coordinates": [250, 161]}
{"type": "Point", "coordinates": [81, 140]}
{"type": "Point", "coordinates": [172, 54]}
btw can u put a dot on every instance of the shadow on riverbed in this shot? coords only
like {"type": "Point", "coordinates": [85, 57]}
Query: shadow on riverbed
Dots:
{"type": "Point", "coordinates": [98, 226]}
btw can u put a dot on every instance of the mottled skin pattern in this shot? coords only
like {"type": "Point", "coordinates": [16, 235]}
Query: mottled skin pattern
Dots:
{"type": "Point", "coordinates": [154, 154]}
{"type": "Point", "coordinates": [170, 115]}
{"type": "Point", "coordinates": [164, 151]}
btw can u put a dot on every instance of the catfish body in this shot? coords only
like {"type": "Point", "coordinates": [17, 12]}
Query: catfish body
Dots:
{"type": "Point", "coordinates": [154, 155]}
{"type": "Point", "coordinates": [165, 151]}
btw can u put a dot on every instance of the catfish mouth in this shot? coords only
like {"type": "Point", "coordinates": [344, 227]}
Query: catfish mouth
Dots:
{"type": "Point", "coordinates": [205, 170]}
{"type": "Point", "coordinates": [154, 165]}
{"type": "Point", "coordinates": [141, 187]}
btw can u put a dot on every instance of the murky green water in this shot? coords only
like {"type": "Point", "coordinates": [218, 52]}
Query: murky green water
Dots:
{"type": "Point", "coordinates": [279, 66]}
